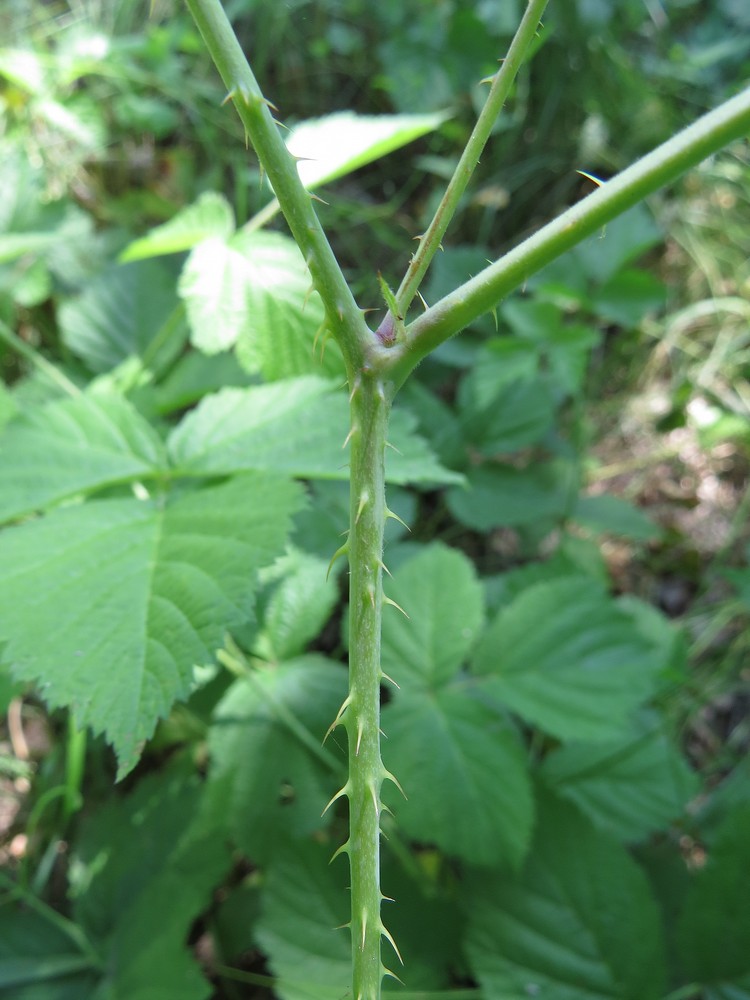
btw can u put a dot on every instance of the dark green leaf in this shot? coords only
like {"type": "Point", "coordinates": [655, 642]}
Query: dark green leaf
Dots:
{"type": "Point", "coordinates": [501, 495]}
{"type": "Point", "coordinates": [567, 659]}
{"type": "Point", "coordinates": [284, 781]}
{"type": "Point", "coordinates": [440, 592]}
{"type": "Point", "coordinates": [577, 921]}
{"type": "Point", "coordinates": [463, 770]}
{"type": "Point", "coordinates": [614, 516]}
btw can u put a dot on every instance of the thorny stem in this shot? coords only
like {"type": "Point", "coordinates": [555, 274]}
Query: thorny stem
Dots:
{"type": "Point", "coordinates": [345, 319]}
{"type": "Point", "coordinates": [730, 121]}
{"type": "Point", "coordinates": [501, 85]}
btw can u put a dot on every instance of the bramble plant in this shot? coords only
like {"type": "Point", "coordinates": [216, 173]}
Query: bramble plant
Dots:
{"type": "Point", "coordinates": [138, 549]}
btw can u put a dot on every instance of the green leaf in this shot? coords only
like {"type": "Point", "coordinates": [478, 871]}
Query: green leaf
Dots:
{"type": "Point", "coordinates": [714, 928]}
{"type": "Point", "coordinates": [440, 592]}
{"type": "Point", "coordinates": [463, 770]}
{"type": "Point", "coordinates": [628, 296]}
{"type": "Point", "coordinates": [577, 921]}
{"type": "Point", "coordinates": [74, 446]}
{"type": "Point", "coordinates": [285, 779]}
{"type": "Point", "coordinates": [120, 314]}
{"type": "Point", "coordinates": [567, 659]}
{"type": "Point", "coordinates": [621, 241]}
{"type": "Point", "coordinates": [109, 605]}
{"type": "Point", "coordinates": [210, 215]}
{"type": "Point", "coordinates": [255, 291]}
{"type": "Point", "coordinates": [304, 903]}
{"type": "Point", "coordinates": [297, 426]}
{"type": "Point", "coordinates": [501, 495]}
{"type": "Point", "coordinates": [39, 960]}
{"type": "Point", "coordinates": [337, 144]}
{"type": "Point", "coordinates": [614, 516]}
{"type": "Point", "coordinates": [632, 786]}
{"type": "Point", "coordinates": [144, 870]}
{"type": "Point", "coordinates": [298, 607]}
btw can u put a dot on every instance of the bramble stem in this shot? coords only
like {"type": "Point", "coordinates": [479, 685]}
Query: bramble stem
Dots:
{"type": "Point", "coordinates": [370, 408]}
{"type": "Point", "coordinates": [344, 317]}
{"type": "Point", "coordinates": [730, 121]}
{"type": "Point", "coordinates": [429, 243]}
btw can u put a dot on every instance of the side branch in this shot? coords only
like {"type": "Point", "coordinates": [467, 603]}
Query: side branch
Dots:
{"type": "Point", "coordinates": [728, 122]}
{"type": "Point", "coordinates": [344, 316]}
{"type": "Point", "coordinates": [501, 85]}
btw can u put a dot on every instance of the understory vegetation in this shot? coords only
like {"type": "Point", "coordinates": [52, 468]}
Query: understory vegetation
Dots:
{"type": "Point", "coordinates": [566, 577]}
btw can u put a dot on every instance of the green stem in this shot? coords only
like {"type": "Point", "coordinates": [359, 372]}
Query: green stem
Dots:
{"type": "Point", "coordinates": [429, 243]}
{"type": "Point", "coordinates": [370, 407]}
{"type": "Point", "coordinates": [663, 165]}
{"type": "Point", "coordinates": [38, 360]}
{"type": "Point", "coordinates": [75, 760]}
{"type": "Point", "coordinates": [344, 317]}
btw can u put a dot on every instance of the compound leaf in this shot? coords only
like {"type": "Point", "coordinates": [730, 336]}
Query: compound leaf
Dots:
{"type": "Point", "coordinates": [285, 780]}
{"type": "Point", "coordinates": [297, 426]}
{"type": "Point", "coordinates": [108, 606]}
{"type": "Point", "coordinates": [463, 770]}
{"type": "Point", "coordinates": [440, 592]}
{"type": "Point", "coordinates": [74, 446]}
{"type": "Point", "coordinates": [577, 921]}
{"type": "Point", "coordinates": [567, 659]}
{"type": "Point", "coordinates": [210, 215]}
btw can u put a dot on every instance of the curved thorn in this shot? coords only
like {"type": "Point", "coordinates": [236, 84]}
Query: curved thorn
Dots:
{"type": "Point", "coordinates": [374, 794]}
{"type": "Point", "coordinates": [354, 429]}
{"type": "Point", "coordinates": [360, 730]}
{"type": "Point", "coordinates": [385, 568]}
{"type": "Point", "coordinates": [387, 600]}
{"type": "Point", "coordinates": [355, 388]}
{"type": "Point", "coordinates": [344, 705]}
{"type": "Point", "coordinates": [387, 972]}
{"type": "Point", "coordinates": [338, 795]}
{"type": "Point", "coordinates": [344, 849]}
{"type": "Point", "coordinates": [393, 448]}
{"type": "Point", "coordinates": [387, 677]}
{"type": "Point", "coordinates": [342, 550]}
{"type": "Point", "coordinates": [371, 594]}
{"type": "Point", "coordinates": [391, 777]}
{"type": "Point", "coordinates": [422, 300]}
{"type": "Point", "coordinates": [364, 928]}
{"type": "Point", "coordinates": [389, 938]}
{"type": "Point", "coordinates": [395, 517]}
{"type": "Point", "coordinates": [316, 197]}
{"type": "Point", "coordinates": [363, 501]}
{"type": "Point", "coordinates": [342, 927]}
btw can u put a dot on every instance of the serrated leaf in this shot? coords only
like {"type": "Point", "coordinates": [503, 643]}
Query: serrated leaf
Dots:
{"type": "Point", "coordinates": [298, 607]}
{"type": "Point", "coordinates": [501, 495]}
{"type": "Point", "coordinates": [337, 144]}
{"type": "Point", "coordinates": [304, 902]}
{"type": "Point", "coordinates": [463, 770]}
{"type": "Point", "coordinates": [74, 446]}
{"type": "Point", "coordinates": [632, 786]}
{"type": "Point", "coordinates": [567, 659]}
{"type": "Point", "coordinates": [255, 291]}
{"type": "Point", "coordinates": [297, 426]}
{"type": "Point", "coordinates": [613, 515]}
{"type": "Point", "coordinates": [39, 961]}
{"type": "Point", "coordinates": [210, 215]}
{"type": "Point", "coordinates": [120, 314]}
{"type": "Point", "coordinates": [143, 871]}
{"type": "Point", "coordinates": [577, 921]}
{"type": "Point", "coordinates": [714, 927]}
{"type": "Point", "coordinates": [108, 606]}
{"type": "Point", "coordinates": [284, 782]}
{"type": "Point", "coordinates": [440, 592]}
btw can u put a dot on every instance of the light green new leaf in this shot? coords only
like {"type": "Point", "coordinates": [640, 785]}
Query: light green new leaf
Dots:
{"type": "Point", "coordinates": [440, 592]}
{"type": "Point", "coordinates": [210, 215]}
{"type": "Point", "coordinates": [255, 291]}
{"type": "Point", "coordinates": [305, 906]}
{"type": "Point", "coordinates": [298, 607]}
{"type": "Point", "coordinates": [143, 872]}
{"type": "Point", "coordinates": [274, 722]}
{"type": "Point", "coordinates": [108, 606]}
{"type": "Point", "coordinates": [120, 313]}
{"type": "Point", "coordinates": [632, 786]}
{"type": "Point", "coordinates": [566, 658]}
{"type": "Point", "coordinates": [297, 426]}
{"type": "Point", "coordinates": [337, 144]}
{"type": "Point", "coordinates": [577, 921]}
{"type": "Point", "coordinates": [74, 446]}
{"type": "Point", "coordinates": [463, 770]}
{"type": "Point", "coordinates": [714, 927]}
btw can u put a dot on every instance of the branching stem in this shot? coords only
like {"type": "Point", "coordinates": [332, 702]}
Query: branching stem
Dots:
{"type": "Point", "coordinates": [501, 85]}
